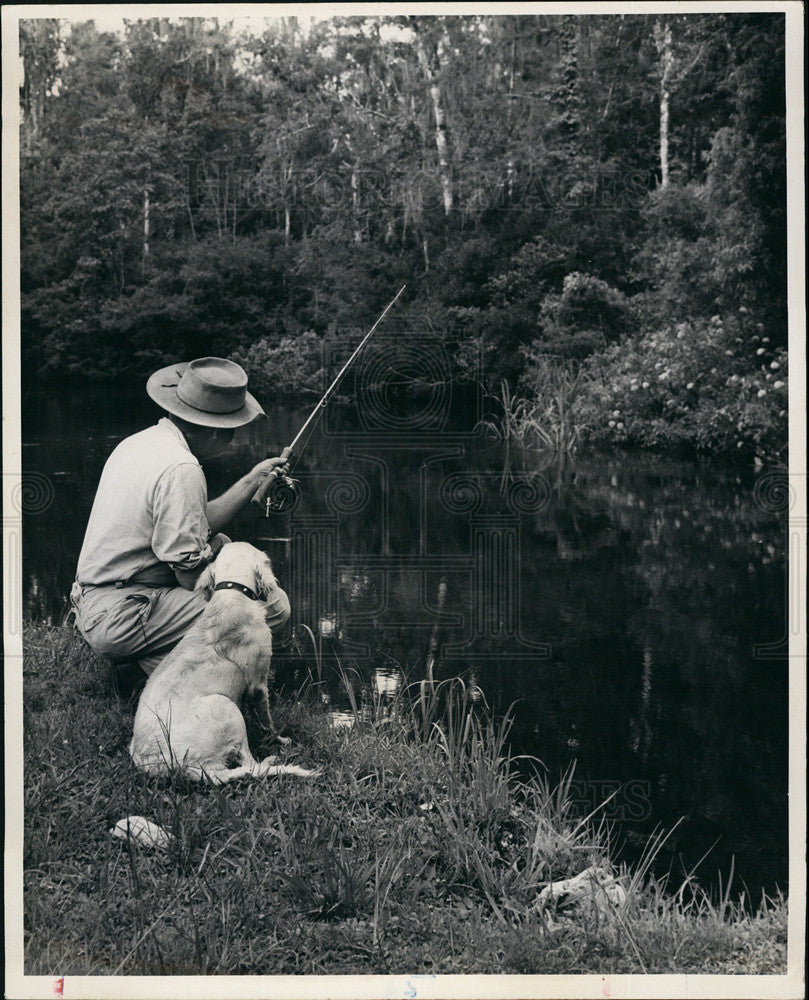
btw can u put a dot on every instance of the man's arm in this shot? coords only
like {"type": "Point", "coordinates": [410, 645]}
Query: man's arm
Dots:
{"type": "Point", "coordinates": [224, 508]}
{"type": "Point", "coordinates": [187, 578]}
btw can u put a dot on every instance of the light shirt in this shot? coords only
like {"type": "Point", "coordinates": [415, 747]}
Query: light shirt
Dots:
{"type": "Point", "coordinates": [149, 514]}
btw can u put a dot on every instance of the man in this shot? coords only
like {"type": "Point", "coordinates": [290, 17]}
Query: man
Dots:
{"type": "Point", "coordinates": [152, 529]}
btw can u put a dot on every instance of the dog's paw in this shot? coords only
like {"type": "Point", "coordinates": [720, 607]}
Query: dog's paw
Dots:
{"type": "Point", "coordinates": [303, 772]}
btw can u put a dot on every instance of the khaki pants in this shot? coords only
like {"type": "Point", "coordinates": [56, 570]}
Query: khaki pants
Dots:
{"type": "Point", "coordinates": [135, 623]}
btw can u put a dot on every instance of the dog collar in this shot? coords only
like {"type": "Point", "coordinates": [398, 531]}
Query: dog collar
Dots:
{"type": "Point", "coordinates": [230, 585]}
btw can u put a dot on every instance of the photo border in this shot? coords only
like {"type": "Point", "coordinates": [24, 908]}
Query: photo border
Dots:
{"type": "Point", "coordinates": [19, 985]}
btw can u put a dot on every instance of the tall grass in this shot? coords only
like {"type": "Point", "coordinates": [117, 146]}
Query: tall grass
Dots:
{"type": "Point", "coordinates": [547, 414]}
{"type": "Point", "coordinates": [419, 848]}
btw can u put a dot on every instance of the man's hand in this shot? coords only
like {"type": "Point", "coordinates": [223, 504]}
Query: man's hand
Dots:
{"type": "Point", "coordinates": [260, 472]}
{"type": "Point", "coordinates": [222, 510]}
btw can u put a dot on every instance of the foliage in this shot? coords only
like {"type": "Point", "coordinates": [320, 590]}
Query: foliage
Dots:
{"type": "Point", "coordinates": [187, 188]}
{"type": "Point", "coordinates": [586, 315]}
{"type": "Point", "coordinates": [293, 366]}
{"type": "Point", "coordinates": [718, 385]}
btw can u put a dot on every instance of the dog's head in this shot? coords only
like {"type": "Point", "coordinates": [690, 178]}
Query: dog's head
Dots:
{"type": "Point", "coordinates": [240, 562]}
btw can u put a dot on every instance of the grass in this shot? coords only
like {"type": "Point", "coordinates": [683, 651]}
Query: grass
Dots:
{"type": "Point", "coordinates": [546, 417]}
{"type": "Point", "coordinates": [418, 851]}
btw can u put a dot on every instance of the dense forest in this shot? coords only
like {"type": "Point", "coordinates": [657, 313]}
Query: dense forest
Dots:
{"type": "Point", "coordinates": [591, 209]}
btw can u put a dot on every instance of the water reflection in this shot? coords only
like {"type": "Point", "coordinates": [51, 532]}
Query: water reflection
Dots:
{"type": "Point", "coordinates": [616, 601]}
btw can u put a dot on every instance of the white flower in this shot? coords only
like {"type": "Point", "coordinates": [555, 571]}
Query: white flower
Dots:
{"type": "Point", "coordinates": [616, 413]}
{"type": "Point", "coordinates": [620, 426]}
{"type": "Point", "coordinates": [662, 376]}
{"type": "Point", "coordinates": [774, 365]}
{"type": "Point", "coordinates": [765, 340]}
{"type": "Point", "coordinates": [729, 353]}
{"type": "Point", "coordinates": [611, 423]}
{"type": "Point", "coordinates": [690, 385]}
{"type": "Point", "coordinates": [778, 385]}
{"type": "Point", "coordinates": [645, 385]}
{"type": "Point", "coordinates": [761, 392]}
{"type": "Point", "coordinates": [760, 350]}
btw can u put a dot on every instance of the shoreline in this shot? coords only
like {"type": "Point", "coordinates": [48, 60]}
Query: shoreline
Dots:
{"type": "Point", "coordinates": [417, 850]}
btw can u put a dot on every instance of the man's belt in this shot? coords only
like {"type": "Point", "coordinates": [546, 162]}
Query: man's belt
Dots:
{"type": "Point", "coordinates": [136, 580]}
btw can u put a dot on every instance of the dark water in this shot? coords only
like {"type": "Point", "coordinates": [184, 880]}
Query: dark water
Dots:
{"type": "Point", "coordinates": [618, 602]}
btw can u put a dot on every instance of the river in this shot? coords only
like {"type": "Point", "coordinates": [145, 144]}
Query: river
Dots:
{"type": "Point", "coordinates": [629, 606]}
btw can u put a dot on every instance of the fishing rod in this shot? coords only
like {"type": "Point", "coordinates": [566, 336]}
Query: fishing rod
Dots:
{"type": "Point", "coordinates": [262, 494]}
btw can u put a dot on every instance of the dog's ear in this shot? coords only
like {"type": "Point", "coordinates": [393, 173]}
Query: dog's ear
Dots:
{"type": "Point", "coordinates": [265, 578]}
{"type": "Point", "coordinates": [205, 581]}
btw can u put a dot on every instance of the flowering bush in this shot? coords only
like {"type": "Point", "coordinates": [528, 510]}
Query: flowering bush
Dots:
{"type": "Point", "coordinates": [716, 385]}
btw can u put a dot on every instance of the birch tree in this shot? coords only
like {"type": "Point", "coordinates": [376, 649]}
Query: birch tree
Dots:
{"type": "Point", "coordinates": [427, 49]}
{"type": "Point", "coordinates": [662, 34]}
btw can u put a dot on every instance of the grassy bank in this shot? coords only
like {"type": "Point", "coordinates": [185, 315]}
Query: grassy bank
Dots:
{"type": "Point", "coordinates": [417, 851]}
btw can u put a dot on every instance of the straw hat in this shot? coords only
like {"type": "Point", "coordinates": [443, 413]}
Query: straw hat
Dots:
{"type": "Point", "coordinates": [211, 392]}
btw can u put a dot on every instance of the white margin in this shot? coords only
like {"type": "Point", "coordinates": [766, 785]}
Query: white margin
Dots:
{"type": "Point", "coordinates": [422, 986]}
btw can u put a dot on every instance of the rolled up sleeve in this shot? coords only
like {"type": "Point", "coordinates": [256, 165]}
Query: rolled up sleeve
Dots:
{"type": "Point", "coordinates": [278, 608]}
{"type": "Point", "coordinates": [180, 532]}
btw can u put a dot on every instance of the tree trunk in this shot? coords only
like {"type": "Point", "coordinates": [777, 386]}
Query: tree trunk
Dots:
{"type": "Point", "coordinates": [355, 202]}
{"type": "Point", "coordinates": [430, 66]}
{"type": "Point", "coordinates": [664, 49]}
{"type": "Point", "coordinates": [145, 226]}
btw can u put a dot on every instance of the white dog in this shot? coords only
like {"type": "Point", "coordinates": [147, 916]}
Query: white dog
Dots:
{"type": "Point", "coordinates": [189, 713]}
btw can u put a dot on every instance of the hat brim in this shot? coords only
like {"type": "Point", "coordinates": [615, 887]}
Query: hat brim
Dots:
{"type": "Point", "coordinates": [162, 388]}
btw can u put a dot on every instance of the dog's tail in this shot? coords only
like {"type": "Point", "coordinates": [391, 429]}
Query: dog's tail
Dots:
{"type": "Point", "coordinates": [265, 769]}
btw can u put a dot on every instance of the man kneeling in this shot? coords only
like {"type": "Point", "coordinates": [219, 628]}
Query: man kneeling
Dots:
{"type": "Point", "coordinates": [152, 530]}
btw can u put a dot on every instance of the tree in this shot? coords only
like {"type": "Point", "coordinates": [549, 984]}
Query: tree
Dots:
{"type": "Point", "coordinates": [39, 47]}
{"type": "Point", "coordinates": [427, 42]}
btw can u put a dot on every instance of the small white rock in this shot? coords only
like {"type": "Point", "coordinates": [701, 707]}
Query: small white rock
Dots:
{"type": "Point", "coordinates": [138, 830]}
{"type": "Point", "coordinates": [593, 887]}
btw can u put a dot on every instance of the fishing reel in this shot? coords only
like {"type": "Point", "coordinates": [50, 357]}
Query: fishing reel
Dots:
{"type": "Point", "coordinates": [282, 494]}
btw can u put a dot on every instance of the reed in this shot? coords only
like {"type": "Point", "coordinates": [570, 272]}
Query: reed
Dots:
{"type": "Point", "coordinates": [548, 415]}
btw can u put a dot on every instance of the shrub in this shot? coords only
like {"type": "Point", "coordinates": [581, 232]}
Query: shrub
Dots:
{"type": "Point", "coordinates": [584, 316]}
{"type": "Point", "coordinates": [292, 366]}
{"type": "Point", "coordinates": [715, 385]}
